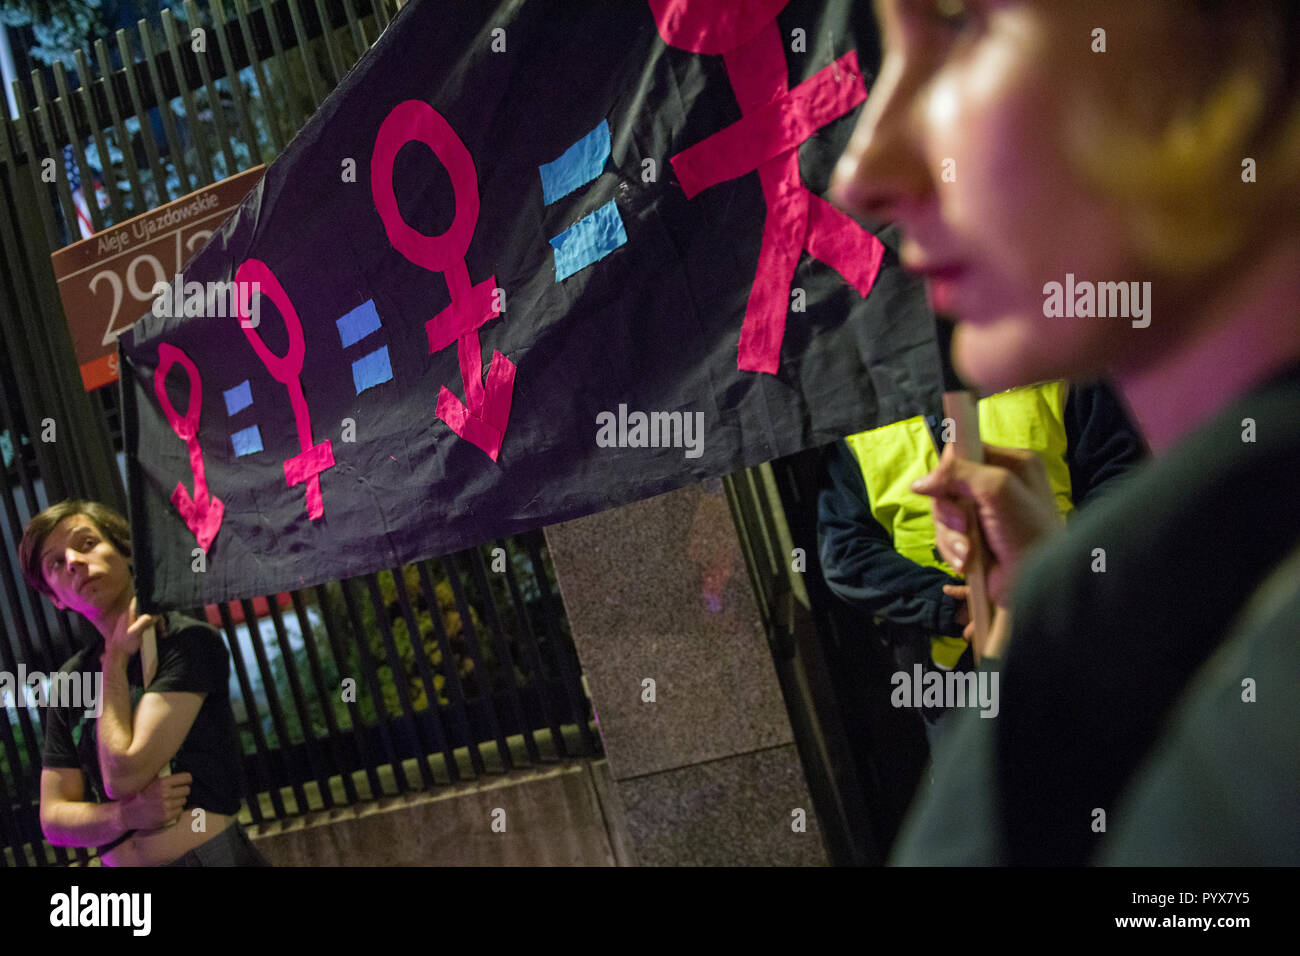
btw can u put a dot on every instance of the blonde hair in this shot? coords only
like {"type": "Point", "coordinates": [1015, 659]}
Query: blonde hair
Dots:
{"type": "Point", "coordinates": [1183, 181]}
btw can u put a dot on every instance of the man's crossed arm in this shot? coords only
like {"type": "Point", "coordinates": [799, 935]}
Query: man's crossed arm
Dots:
{"type": "Point", "coordinates": [67, 819]}
{"type": "Point", "coordinates": [133, 748]}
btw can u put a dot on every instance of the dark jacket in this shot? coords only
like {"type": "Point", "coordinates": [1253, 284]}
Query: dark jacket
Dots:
{"type": "Point", "coordinates": [1126, 692]}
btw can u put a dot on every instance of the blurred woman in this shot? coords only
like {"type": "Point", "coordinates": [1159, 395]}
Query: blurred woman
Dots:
{"type": "Point", "coordinates": [1111, 187]}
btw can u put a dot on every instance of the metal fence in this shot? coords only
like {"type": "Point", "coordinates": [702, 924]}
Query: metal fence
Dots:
{"type": "Point", "coordinates": [457, 667]}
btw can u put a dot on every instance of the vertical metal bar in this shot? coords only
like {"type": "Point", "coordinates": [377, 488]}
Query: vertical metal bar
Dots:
{"type": "Point", "coordinates": [400, 683]}
{"type": "Point", "coordinates": [333, 738]}
{"type": "Point", "coordinates": [265, 94]}
{"type": "Point", "coordinates": [273, 702]}
{"type": "Point", "coordinates": [43, 338]}
{"type": "Point", "coordinates": [451, 671]}
{"type": "Point", "coordinates": [24, 140]}
{"type": "Point", "coordinates": [146, 125]}
{"type": "Point", "coordinates": [11, 510]}
{"type": "Point", "coordinates": [56, 640]}
{"type": "Point", "coordinates": [376, 693]}
{"type": "Point", "coordinates": [13, 589]}
{"type": "Point", "coordinates": [25, 305]}
{"type": "Point", "coordinates": [426, 673]}
{"type": "Point", "coordinates": [332, 631]}
{"type": "Point", "coordinates": [25, 651]}
{"type": "Point", "coordinates": [236, 85]}
{"type": "Point", "coordinates": [762, 518]}
{"type": "Point", "coordinates": [48, 372]}
{"type": "Point", "coordinates": [29, 834]}
{"type": "Point", "coordinates": [381, 14]}
{"type": "Point", "coordinates": [558, 650]}
{"type": "Point", "coordinates": [214, 99]}
{"type": "Point", "coordinates": [331, 45]}
{"type": "Point", "coordinates": [474, 559]}
{"type": "Point", "coordinates": [483, 680]}
{"type": "Point", "coordinates": [187, 97]}
{"type": "Point", "coordinates": [175, 148]}
{"type": "Point", "coordinates": [31, 738]}
{"type": "Point", "coordinates": [304, 50]}
{"type": "Point", "coordinates": [358, 31]}
{"type": "Point", "coordinates": [282, 62]}
{"type": "Point", "coordinates": [124, 141]}
{"type": "Point", "coordinates": [78, 152]}
{"type": "Point", "coordinates": [97, 133]}
{"type": "Point", "coordinates": [255, 723]}
{"type": "Point", "coordinates": [528, 639]}
{"type": "Point", "coordinates": [10, 834]}
{"type": "Point", "coordinates": [17, 427]}
{"type": "Point", "coordinates": [51, 141]}
{"type": "Point", "coordinates": [757, 565]}
{"type": "Point", "coordinates": [10, 742]}
{"type": "Point", "coordinates": [299, 702]}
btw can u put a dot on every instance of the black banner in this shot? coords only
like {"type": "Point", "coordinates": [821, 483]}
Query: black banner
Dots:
{"type": "Point", "coordinates": [528, 261]}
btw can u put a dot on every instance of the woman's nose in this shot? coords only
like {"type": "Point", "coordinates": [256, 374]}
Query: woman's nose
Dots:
{"type": "Point", "coordinates": [882, 175]}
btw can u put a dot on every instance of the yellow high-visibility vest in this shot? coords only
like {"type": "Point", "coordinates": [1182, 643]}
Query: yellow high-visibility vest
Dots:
{"type": "Point", "coordinates": [894, 456]}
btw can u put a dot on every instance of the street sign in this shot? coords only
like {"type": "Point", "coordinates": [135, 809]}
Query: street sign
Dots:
{"type": "Point", "coordinates": [107, 280]}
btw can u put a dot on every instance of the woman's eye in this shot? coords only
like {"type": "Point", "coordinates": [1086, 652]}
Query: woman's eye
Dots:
{"type": "Point", "coordinates": [953, 14]}
{"type": "Point", "coordinates": [933, 18]}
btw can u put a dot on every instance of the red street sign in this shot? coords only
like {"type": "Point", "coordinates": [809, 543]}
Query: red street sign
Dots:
{"type": "Point", "coordinates": [106, 281]}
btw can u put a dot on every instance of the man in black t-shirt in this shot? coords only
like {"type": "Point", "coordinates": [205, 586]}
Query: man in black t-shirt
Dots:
{"type": "Point", "coordinates": [163, 705]}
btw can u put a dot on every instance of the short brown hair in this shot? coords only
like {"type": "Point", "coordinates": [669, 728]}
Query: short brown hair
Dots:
{"type": "Point", "coordinates": [109, 523]}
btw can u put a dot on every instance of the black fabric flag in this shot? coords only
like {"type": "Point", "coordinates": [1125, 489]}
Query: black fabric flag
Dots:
{"type": "Point", "coordinates": [528, 261]}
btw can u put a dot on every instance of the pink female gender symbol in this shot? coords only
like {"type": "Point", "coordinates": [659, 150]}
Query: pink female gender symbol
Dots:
{"type": "Point", "coordinates": [286, 369]}
{"type": "Point", "coordinates": [203, 512]}
{"type": "Point", "coordinates": [775, 121]}
{"type": "Point", "coordinates": [483, 419]}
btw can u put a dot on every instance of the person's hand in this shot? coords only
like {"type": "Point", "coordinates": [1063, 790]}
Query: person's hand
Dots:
{"type": "Point", "coordinates": [1013, 502]}
{"type": "Point", "coordinates": [157, 805]}
{"type": "Point", "coordinates": [961, 594]}
{"type": "Point", "coordinates": [128, 634]}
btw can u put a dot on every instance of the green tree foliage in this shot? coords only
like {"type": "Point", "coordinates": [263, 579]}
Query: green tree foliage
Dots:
{"type": "Point", "coordinates": [60, 26]}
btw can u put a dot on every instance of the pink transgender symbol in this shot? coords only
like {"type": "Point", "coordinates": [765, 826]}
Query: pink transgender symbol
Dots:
{"type": "Point", "coordinates": [203, 511]}
{"type": "Point", "coordinates": [775, 121]}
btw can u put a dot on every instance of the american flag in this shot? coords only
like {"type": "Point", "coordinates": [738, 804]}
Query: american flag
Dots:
{"type": "Point", "coordinates": [84, 222]}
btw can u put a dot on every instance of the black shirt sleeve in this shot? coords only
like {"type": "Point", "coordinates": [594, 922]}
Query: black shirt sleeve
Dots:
{"type": "Point", "coordinates": [191, 657]}
{"type": "Point", "coordinates": [59, 750]}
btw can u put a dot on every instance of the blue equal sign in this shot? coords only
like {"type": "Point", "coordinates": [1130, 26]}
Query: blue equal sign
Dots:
{"type": "Point", "coordinates": [588, 240]}
{"type": "Point", "coordinates": [373, 368]}
{"type": "Point", "coordinates": [247, 441]}
{"type": "Point", "coordinates": [595, 236]}
{"type": "Point", "coordinates": [580, 164]}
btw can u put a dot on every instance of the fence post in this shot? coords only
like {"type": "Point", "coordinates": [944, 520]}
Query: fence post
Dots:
{"type": "Point", "coordinates": [80, 460]}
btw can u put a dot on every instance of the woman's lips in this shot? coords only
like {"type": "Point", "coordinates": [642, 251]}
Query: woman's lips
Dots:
{"type": "Point", "coordinates": [942, 284]}
{"type": "Point", "coordinates": [943, 277]}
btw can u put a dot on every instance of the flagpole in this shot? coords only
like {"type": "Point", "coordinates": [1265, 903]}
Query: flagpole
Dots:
{"type": "Point", "coordinates": [961, 407]}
